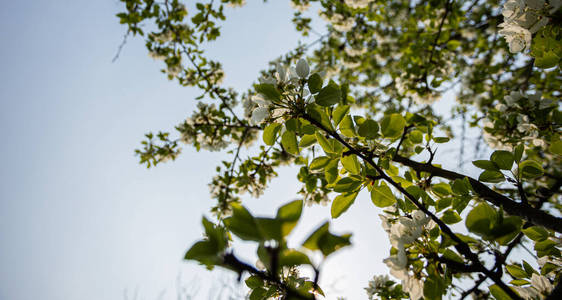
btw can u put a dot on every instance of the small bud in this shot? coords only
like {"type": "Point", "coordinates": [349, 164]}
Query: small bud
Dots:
{"type": "Point", "coordinates": [302, 68]}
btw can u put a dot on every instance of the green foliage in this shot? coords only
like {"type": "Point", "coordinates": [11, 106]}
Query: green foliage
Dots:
{"type": "Point", "coordinates": [341, 203]}
{"type": "Point", "coordinates": [382, 195]}
{"type": "Point", "coordinates": [392, 125]}
{"type": "Point", "coordinates": [329, 95]}
{"type": "Point", "coordinates": [356, 112]}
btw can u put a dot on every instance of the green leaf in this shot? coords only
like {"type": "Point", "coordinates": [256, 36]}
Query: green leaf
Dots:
{"type": "Point", "coordinates": [311, 242]}
{"type": "Point", "coordinates": [491, 176]}
{"type": "Point", "coordinates": [242, 223]}
{"type": "Point", "coordinates": [253, 282]}
{"type": "Point", "coordinates": [530, 169]}
{"type": "Point", "coordinates": [314, 83]}
{"type": "Point", "coordinates": [330, 243]}
{"type": "Point", "coordinates": [516, 271]}
{"type": "Point", "coordinates": [505, 231]}
{"type": "Point", "coordinates": [331, 171]}
{"type": "Point", "coordinates": [443, 203]}
{"type": "Point", "coordinates": [269, 91]}
{"type": "Point", "coordinates": [433, 288]}
{"type": "Point", "coordinates": [536, 233]}
{"type": "Point", "coordinates": [481, 219]}
{"type": "Point", "coordinates": [382, 196]}
{"type": "Point", "coordinates": [503, 159]}
{"type": "Point", "coordinates": [486, 165]}
{"type": "Point", "coordinates": [339, 113]}
{"type": "Point", "coordinates": [321, 239]}
{"type": "Point", "coordinates": [289, 142]}
{"type": "Point", "coordinates": [416, 136]}
{"type": "Point", "coordinates": [519, 282]}
{"type": "Point", "coordinates": [548, 60]}
{"type": "Point", "coordinates": [528, 268]}
{"type": "Point", "coordinates": [347, 127]}
{"type": "Point", "coordinates": [329, 95]}
{"type": "Point", "coordinates": [291, 257]}
{"type": "Point", "coordinates": [351, 164]}
{"type": "Point", "coordinates": [368, 129]}
{"type": "Point", "coordinates": [325, 143]}
{"type": "Point", "coordinates": [342, 203]}
{"type": "Point", "coordinates": [289, 214]}
{"type": "Point", "coordinates": [556, 147]}
{"type": "Point", "coordinates": [319, 163]}
{"type": "Point", "coordinates": [498, 293]}
{"type": "Point", "coordinates": [258, 294]}
{"type": "Point", "coordinates": [271, 229]}
{"type": "Point", "coordinates": [393, 125]}
{"type": "Point", "coordinates": [459, 187]}
{"type": "Point", "coordinates": [452, 255]}
{"type": "Point", "coordinates": [547, 268]}
{"type": "Point", "coordinates": [451, 217]}
{"type": "Point", "coordinates": [518, 152]}
{"type": "Point", "coordinates": [347, 184]}
{"type": "Point", "coordinates": [290, 211]}
{"type": "Point", "coordinates": [441, 140]}
{"type": "Point", "coordinates": [216, 234]}
{"type": "Point", "coordinates": [292, 124]}
{"type": "Point", "coordinates": [544, 245]}
{"type": "Point", "coordinates": [441, 189]}
{"type": "Point", "coordinates": [307, 140]}
{"type": "Point", "coordinates": [202, 251]}
{"type": "Point", "coordinates": [270, 133]}
{"type": "Point", "coordinates": [318, 113]}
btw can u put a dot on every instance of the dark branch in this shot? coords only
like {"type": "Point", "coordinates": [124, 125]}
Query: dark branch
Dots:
{"type": "Point", "coordinates": [525, 211]}
{"type": "Point", "coordinates": [234, 263]}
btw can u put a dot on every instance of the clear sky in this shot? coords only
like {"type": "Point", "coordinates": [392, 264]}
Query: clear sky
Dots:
{"type": "Point", "coordinates": [79, 217]}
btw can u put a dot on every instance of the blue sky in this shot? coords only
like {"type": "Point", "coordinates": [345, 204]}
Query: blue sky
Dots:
{"type": "Point", "coordinates": [79, 217]}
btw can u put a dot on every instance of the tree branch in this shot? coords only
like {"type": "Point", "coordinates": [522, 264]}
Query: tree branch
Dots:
{"type": "Point", "coordinates": [231, 261]}
{"type": "Point", "coordinates": [525, 211]}
{"type": "Point", "coordinates": [460, 245]}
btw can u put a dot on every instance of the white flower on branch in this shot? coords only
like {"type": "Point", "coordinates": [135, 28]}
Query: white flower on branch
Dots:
{"type": "Point", "coordinates": [517, 37]}
{"type": "Point", "coordinates": [261, 112]}
{"type": "Point", "coordinates": [542, 284]}
{"type": "Point", "coordinates": [358, 4]}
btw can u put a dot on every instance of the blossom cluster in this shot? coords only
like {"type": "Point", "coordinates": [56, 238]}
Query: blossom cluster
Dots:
{"type": "Point", "coordinates": [427, 97]}
{"type": "Point", "coordinates": [340, 22]}
{"type": "Point", "coordinates": [357, 4]}
{"type": "Point", "coordinates": [402, 232]}
{"type": "Point", "coordinates": [539, 289]}
{"type": "Point", "coordinates": [300, 5]}
{"type": "Point", "coordinates": [377, 285]}
{"type": "Point", "coordinates": [511, 116]}
{"type": "Point", "coordinates": [258, 107]}
{"type": "Point", "coordinates": [236, 3]}
{"type": "Point", "coordinates": [194, 130]}
{"type": "Point", "coordinates": [522, 18]}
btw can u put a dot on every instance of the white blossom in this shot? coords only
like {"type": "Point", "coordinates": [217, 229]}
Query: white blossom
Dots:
{"type": "Point", "coordinates": [522, 18]}
{"type": "Point", "coordinates": [355, 51]}
{"type": "Point", "coordinates": [236, 3]}
{"type": "Point", "coordinates": [358, 3]}
{"type": "Point", "coordinates": [375, 285]}
{"type": "Point", "coordinates": [261, 112]}
{"type": "Point", "coordinates": [527, 292]}
{"type": "Point", "coordinates": [518, 38]}
{"type": "Point", "coordinates": [414, 287]}
{"type": "Point", "coordinates": [541, 283]}
{"type": "Point", "coordinates": [339, 22]}
{"type": "Point", "coordinates": [302, 6]}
